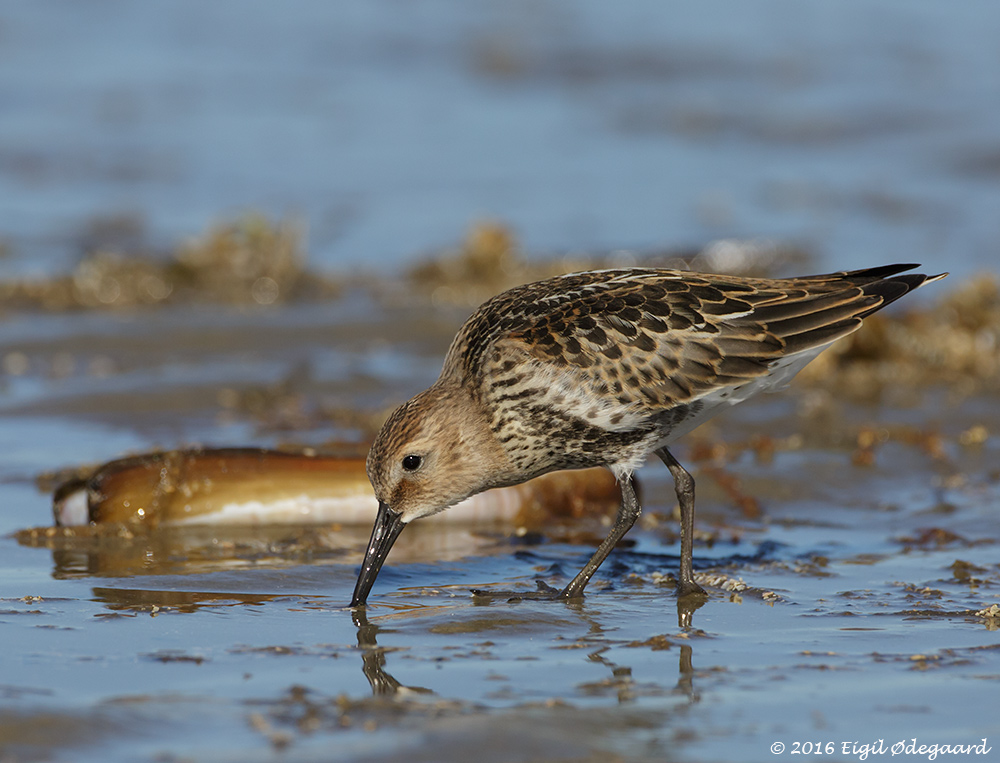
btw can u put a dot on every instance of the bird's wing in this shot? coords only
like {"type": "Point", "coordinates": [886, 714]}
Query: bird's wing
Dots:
{"type": "Point", "coordinates": [614, 347]}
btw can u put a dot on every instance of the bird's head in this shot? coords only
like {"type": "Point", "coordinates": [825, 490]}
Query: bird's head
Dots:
{"type": "Point", "coordinates": [432, 452]}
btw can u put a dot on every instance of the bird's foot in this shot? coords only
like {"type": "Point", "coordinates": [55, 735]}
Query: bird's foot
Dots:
{"type": "Point", "coordinates": [545, 592]}
{"type": "Point", "coordinates": [689, 588]}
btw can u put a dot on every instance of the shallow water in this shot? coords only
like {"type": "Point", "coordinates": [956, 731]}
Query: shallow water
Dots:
{"type": "Point", "coordinates": [857, 620]}
{"type": "Point", "coordinates": [864, 131]}
{"type": "Point", "coordinates": [861, 134]}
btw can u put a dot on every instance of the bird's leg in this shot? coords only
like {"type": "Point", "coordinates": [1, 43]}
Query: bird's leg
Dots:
{"type": "Point", "coordinates": [628, 512]}
{"type": "Point", "coordinates": [684, 485]}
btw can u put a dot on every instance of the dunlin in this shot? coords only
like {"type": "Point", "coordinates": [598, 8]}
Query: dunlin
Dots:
{"type": "Point", "coordinates": [601, 369]}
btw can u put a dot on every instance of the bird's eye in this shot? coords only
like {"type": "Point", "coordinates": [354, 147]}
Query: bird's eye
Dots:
{"type": "Point", "coordinates": [411, 463]}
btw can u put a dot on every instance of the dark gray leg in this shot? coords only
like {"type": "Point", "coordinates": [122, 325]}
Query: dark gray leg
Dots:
{"type": "Point", "coordinates": [628, 512]}
{"type": "Point", "coordinates": [684, 485]}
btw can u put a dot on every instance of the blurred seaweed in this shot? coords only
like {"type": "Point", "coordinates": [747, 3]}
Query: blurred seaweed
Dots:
{"type": "Point", "coordinates": [251, 261]}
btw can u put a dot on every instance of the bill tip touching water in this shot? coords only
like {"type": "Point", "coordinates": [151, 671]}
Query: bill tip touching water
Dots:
{"type": "Point", "coordinates": [603, 368]}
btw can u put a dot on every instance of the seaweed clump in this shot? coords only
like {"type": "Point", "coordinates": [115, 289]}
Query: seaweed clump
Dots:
{"type": "Point", "coordinates": [490, 261]}
{"type": "Point", "coordinates": [251, 261]}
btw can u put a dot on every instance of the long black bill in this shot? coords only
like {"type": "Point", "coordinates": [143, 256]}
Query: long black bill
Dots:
{"type": "Point", "coordinates": [388, 526]}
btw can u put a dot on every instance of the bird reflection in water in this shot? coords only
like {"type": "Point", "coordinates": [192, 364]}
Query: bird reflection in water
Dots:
{"type": "Point", "coordinates": [383, 683]}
